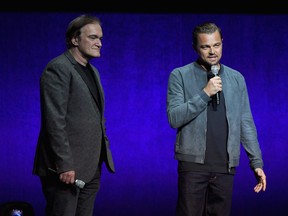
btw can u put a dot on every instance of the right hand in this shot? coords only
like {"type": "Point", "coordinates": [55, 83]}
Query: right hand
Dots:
{"type": "Point", "coordinates": [67, 177]}
{"type": "Point", "coordinates": [213, 86]}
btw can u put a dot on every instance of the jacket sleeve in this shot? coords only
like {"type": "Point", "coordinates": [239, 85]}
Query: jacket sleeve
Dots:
{"type": "Point", "coordinates": [54, 88]}
{"type": "Point", "coordinates": [181, 110]}
{"type": "Point", "coordinates": [249, 138]}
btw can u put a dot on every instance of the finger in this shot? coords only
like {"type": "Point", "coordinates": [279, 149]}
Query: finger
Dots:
{"type": "Point", "coordinates": [65, 178]}
{"type": "Point", "coordinates": [258, 188]}
{"type": "Point", "coordinates": [263, 182]}
{"type": "Point", "coordinates": [264, 185]}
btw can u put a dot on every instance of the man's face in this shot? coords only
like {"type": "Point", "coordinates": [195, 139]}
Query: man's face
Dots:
{"type": "Point", "coordinates": [89, 41]}
{"type": "Point", "coordinates": [209, 48]}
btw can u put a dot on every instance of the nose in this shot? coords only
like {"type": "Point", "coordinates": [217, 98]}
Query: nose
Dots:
{"type": "Point", "coordinates": [99, 42]}
{"type": "Point", "coordinates": [211, 51]}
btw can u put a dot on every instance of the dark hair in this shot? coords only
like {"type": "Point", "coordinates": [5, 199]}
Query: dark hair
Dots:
{"type": "Point", "coordinates": [206, 28]}
{"type": "Point", "coordinates": [74, 27]}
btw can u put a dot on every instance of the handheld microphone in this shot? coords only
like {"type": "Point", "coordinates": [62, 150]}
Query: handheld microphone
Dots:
{"type": "Point", "coordinates": [78, 183]}
{"type": "Point", "coordinates": [214, 70]}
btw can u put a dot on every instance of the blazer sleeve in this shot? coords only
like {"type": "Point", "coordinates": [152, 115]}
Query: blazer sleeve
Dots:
{"type": "Point", "coordinates": [54, 88]}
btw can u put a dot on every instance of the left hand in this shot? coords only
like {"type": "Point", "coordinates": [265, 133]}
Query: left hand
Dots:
{"type": "Point", "coordinates": [261, 178]}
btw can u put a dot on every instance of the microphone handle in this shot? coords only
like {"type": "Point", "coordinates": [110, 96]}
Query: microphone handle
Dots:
{"type": "Point", "coordinates": [217, 98]}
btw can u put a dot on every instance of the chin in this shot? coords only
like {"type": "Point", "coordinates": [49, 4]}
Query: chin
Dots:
{"type": "Point", "coordinates": [94, 53]}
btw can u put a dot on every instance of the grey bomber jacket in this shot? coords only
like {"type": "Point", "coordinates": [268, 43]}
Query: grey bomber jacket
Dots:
{"type": "Point", "coordinates": [187, 112]}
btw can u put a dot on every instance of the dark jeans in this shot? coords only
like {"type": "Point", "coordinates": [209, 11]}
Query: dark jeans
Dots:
{"type": "Point", "coordinates": [67, 199]}
{"type": "Point", "coordinates": [204, 193]}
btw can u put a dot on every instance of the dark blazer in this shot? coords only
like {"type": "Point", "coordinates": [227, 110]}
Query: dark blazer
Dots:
{"type": "Point", "coordinates": [72, 121]}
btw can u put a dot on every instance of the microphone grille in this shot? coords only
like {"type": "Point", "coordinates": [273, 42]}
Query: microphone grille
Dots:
{"type": "Point", "coordinates": [79, 183]}
{"type": "Point", "coordinates": [214, 69]}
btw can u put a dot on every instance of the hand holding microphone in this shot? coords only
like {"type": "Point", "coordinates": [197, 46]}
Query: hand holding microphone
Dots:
{"type": "Point", "coordinates": [68, 178]}
{"type": "Point", "coordinates": [214, 86]}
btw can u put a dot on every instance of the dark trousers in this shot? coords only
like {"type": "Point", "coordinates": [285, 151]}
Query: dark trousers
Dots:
{"type": "Point", "coordinates": [67, 199]}
{"type": "Point", "coordinates": [204, 194]}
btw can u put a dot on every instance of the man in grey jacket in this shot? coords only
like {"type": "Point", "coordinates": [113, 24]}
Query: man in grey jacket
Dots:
{"type": "Point", "coordinates": [72, 143]}
{"type": "Point", "coordinates": [208, 104]}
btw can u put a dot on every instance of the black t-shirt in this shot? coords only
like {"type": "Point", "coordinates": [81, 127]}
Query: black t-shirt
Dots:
{"type": "Point", "coordinates": [216, 156]}
{"type": "Point", "coordinates": [89, 74]}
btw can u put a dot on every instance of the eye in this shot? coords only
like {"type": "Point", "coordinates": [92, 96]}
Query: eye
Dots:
{"type": "Point", "coordinates": [204, 47]}
{"type": "Point", "coordinates": [217, 45]}
{"type": "Point", "coordinates": [93, 37]}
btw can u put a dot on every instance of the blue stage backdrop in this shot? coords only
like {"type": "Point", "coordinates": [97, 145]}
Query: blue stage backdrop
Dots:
{"type": "Point", "coordinates": [139, 51]}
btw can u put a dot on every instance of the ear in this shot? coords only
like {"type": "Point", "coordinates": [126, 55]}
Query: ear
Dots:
{"type": "Point", "coordinates": [75, 41]}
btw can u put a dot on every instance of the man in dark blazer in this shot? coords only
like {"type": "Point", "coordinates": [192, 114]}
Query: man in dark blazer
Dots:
{"type": "Point", "coordinates": [72, 142]}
